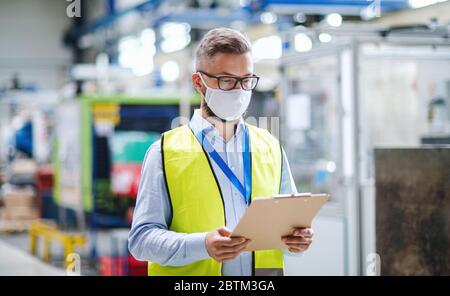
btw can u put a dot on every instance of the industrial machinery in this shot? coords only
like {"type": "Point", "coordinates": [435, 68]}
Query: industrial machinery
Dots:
{"type": "Point", "coordinates": [329, 86]}
{"type": "Point", "coordinates": [101, 145]}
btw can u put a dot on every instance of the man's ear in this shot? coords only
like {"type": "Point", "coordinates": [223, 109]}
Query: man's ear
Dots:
{"type": "Point", "coordinates": [197, 82]}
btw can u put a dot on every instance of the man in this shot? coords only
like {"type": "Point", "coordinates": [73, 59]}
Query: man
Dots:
{"type": "Point", "coordinates": [198, 180]}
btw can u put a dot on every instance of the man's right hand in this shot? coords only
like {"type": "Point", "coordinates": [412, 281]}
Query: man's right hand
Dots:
{"type": "Point", "coordinates": [222, 247]}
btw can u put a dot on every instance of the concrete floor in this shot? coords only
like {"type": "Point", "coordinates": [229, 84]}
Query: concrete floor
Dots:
{"type": "Point", "coordinates": [15, 258]}
{"type": "Point", "coordinates": [16, 262]}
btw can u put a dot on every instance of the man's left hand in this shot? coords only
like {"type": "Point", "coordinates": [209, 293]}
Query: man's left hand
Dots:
{"type": "Point", "coordinates": [299, 240]}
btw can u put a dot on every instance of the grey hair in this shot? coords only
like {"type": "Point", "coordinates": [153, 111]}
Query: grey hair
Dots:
{"type": "Point", "coordinates": [221, 40]}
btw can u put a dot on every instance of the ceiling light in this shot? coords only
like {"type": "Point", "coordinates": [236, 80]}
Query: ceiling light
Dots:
{"type": "Point", "coordinates": [268, 17]}
{"type": "Point", "coordinates": [302, 42]}
{"type": "Point", "coordinates": [170, 71]}
{"type": "Point", "coordinates": [324, 37]}
{"type": "Point", "coordinates": [334, 19]}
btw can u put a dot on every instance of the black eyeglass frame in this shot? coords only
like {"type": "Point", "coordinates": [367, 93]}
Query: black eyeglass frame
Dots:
{"type": "Point", "coordinates": [238, 79]}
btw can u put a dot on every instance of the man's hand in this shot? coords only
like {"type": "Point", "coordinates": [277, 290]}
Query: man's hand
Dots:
{"type": "Point", "coordinates": [299, 240]}
{"type": "Point", "coordinates": [222, 247]}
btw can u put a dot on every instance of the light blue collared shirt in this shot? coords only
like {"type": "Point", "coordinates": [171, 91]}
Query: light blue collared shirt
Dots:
{"type": "Point", "coordinates": [150, 239]}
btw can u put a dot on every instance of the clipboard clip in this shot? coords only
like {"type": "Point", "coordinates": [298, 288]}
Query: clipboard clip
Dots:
{"type": "Point", "coordinates": [304, 194]}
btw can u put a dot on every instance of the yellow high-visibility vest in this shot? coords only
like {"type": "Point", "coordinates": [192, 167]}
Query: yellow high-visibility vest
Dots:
{"type": "Point", "coordinates": [196, 199]}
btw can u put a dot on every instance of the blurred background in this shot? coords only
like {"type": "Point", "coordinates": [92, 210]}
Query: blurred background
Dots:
{"type": "Point", "coordinates": [358, 92]}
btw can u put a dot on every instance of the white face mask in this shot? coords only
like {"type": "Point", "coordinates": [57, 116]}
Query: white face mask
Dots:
{"type": "Point", "coordinates": [228, 105]}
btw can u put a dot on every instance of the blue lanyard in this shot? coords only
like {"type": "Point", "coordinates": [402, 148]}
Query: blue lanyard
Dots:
{"type": "Point", "coordinates": [245, 189]}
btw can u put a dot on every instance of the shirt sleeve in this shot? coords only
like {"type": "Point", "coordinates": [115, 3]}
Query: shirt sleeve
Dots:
{"type": "Point", "coordinates": [149, 238]}
{"type": "Point", "coordinates": [287, 181]}
{"type": "Point", "coordinates": [287, 187]}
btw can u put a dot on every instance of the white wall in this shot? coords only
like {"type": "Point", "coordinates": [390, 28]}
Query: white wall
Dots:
{"type": "Point", "coordinates": [31, 34]}
{"type": "Point", "coordinates": [326, 255]}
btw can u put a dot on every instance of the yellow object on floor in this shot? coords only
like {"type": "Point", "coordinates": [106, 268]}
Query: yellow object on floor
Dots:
{"type": "Point", "coordinates": [49, 232]}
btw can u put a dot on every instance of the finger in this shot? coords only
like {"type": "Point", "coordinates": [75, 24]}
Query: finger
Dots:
{"type": "Point", "coordinates": [296, 240]}
{"type": "Point", "coordinates": [304, 232]}
{"type": "Point", "coordinates": [294, 250]}
{"type": "Point", "coordinates": [224, 231]}
{"type": "Point", "coordinates": [297, 245]}
{"type": "Point", "coordinates": [236, 241]}
{"type": "Point", "coordinates": [220, 240]}
{"type": "Point", "coordinates": [307, 232]}
{"type": "Point", "coordinates": [244, 242]}
{"type": "Point", "coordinates": [230, 252]}
{"type": "Point", "coordinates": [228, 256]}
{"type": "Point", "coordinates": [294, 237]}
{"type": "Point", "coordinates": [297, 249]}
{"type": "Point", "coordinates": [234, 249]}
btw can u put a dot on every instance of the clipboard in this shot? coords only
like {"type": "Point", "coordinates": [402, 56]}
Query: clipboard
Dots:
{"type": "Point", "coordinates": [268, 219]}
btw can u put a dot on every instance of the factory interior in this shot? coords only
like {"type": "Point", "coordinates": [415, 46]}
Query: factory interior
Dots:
{"type": "Point", "coordinates": [356, 91]}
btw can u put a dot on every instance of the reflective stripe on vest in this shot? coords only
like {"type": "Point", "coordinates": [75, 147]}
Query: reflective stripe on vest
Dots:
{"type": "Point", "coordinates": [196, 199]}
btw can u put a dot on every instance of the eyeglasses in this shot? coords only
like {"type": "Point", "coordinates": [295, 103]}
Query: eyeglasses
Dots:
{"type": "Point", "coordinates": [226, 82]}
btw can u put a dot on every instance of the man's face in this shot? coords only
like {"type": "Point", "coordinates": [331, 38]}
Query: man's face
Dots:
{"type": "Point", "coordinates": [239, 65]}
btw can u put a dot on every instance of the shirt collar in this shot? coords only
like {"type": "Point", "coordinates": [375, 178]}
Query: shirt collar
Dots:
{"type": "Point", "coordinates": [200, 124]}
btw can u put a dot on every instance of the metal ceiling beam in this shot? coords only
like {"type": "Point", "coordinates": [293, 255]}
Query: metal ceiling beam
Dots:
{"type": "Point", "coordinates": [112, 17]}
{"type": "Point", "coordinates": [345, 7]}
{"type": "Point", "coordinates": [203, 18]}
